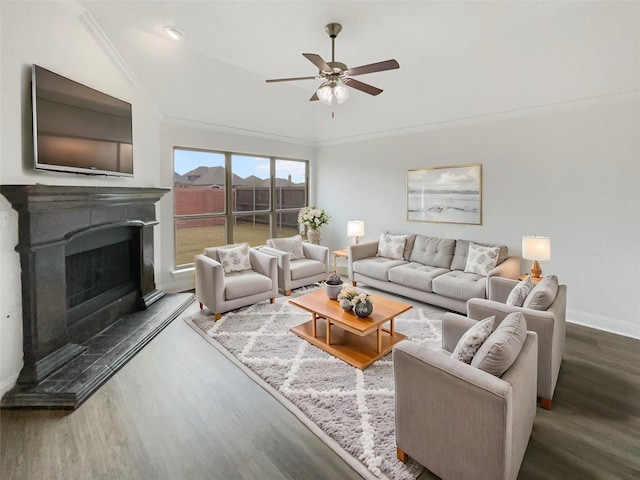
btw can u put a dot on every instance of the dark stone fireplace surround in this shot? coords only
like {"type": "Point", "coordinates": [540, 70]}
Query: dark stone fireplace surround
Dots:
{"type": "Point", "coordinates": [68, 356]}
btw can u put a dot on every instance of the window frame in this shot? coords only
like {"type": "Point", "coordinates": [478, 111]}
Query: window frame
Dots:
{"type": "Point", "coordinates": [229, 215]}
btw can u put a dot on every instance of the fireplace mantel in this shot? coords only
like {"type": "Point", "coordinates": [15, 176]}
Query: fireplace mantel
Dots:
{"type": "Point", "coordinates": [50, 217]}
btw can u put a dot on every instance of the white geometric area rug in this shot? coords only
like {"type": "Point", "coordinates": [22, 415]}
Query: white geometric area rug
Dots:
{"type": "Point", "coordinates": [351, 410]}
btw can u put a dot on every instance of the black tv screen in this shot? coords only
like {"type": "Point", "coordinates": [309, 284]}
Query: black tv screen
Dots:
{"type": "Point", "coordinates": [78, 129]}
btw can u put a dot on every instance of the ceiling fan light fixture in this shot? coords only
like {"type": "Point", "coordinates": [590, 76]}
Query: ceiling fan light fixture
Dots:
{"type": "Point", "coordinates": [325, 94]}
{"type": "Point", "coordinates": [341, 92]}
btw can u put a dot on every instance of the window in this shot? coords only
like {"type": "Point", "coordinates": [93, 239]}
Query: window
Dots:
{"type": "Point", "coordinates": [224, 197]}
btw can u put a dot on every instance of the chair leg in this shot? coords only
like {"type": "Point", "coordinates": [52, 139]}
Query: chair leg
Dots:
{"type": "Point", "coordinates": [353, 283]}
{"type": "Point", "coordinates": [272, 300]}
{"type": "Point", "coordinates": [217, 316]}
{"type": "Point", "coordinates": [403, 457]}
{"type": "Point", "coordinates": [545, 403]}
{"type": "Point", "coordinates": [287, 293]}
{"type": "Point", "coordinates": [200, 305]}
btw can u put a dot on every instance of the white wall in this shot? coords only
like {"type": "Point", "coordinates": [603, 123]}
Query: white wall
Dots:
{"type": "Point", "coordinates": [51, 34]}
{"type": "Point", "coordinates": [568, 171]}
{"type": "Point", "coordinates": [187, 135]}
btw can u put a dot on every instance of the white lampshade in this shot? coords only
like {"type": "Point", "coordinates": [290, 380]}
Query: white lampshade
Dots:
{"type": "Point", "coordinates": [536, 248]}
{"type": "Point", "coordinates": [341, 92]}
{"type": "Point", "coordinates": [355, 228]}
{"type": "Point", "coordinates": [325, 94]}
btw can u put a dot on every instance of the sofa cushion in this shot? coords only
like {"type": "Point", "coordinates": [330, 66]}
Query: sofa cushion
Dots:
{"type": "Point", "coordinates": [306, 268]}
{"type": "Point", "coordinates": [471, 340]}
{"type": "Point", "coordinates": [243, 284]}
{"type": "Point", "coordinates": [519, 293]}
{"type": "Point", "coordinates": [461, 252]}
{"type": "Point", "coordinates": [235, 259]}
{"type": "Point", "coordinates": [481, 260]}
{"type": "Point", "coordinates": [376, 267]}
{"type": "Point", "coordinates": [460, 285]}
{"type": "Point", "coordinates": [503, 346]}
{"type": "Point", "coordinates": [415, 275]}
{"type": "Point", "coordinates": [543, 294]}
{"type": "Point", "coordinates": [436, 252]}
{"type": "Point", "coordinates": [212, 252]}
{"type": "Point", "coordinates": [391, 246]}
{"type": "Point", "coordinates": [291, 245]}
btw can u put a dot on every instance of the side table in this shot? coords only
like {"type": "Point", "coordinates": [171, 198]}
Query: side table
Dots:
{"type": "Point", "coordinates": [535, 280]}
{"type": "Point", "coordinates": [344, 253]}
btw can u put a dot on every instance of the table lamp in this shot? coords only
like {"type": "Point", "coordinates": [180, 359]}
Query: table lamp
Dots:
{"type": "Point", "coordinates": [537, 249]}
{"type": "Point", "coordinates": [355, 228]}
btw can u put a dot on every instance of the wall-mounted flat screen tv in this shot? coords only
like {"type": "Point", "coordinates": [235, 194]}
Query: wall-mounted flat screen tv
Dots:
{"type": "Point", "coordinates": [78, 129]}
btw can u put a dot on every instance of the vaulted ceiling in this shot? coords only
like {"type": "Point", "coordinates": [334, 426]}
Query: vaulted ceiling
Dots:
{"type": "Point", "coordinates": [458, 60]}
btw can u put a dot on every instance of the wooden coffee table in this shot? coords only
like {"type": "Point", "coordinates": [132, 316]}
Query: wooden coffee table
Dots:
{"type": "Point", "coordinates": [357, 341]}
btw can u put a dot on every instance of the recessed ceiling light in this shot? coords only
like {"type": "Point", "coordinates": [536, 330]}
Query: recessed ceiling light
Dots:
{"type": "Point", "coordinates": [173, 32]}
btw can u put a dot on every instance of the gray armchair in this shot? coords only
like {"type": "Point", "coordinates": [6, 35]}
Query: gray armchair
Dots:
{"type": "Point", "coordinates": [298, 272]}
{"type": "Point", "coordinates": [457, 420]}
{"type": "Point", "coordinates": [221, 292]}
{"type": "Point", "coordinates": [549, 324]}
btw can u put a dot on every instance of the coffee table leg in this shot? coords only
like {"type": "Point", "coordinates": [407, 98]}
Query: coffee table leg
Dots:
{"type": "Point", "coordinates": [328, 331]}
{"type": "Point", "coordinates": [379, 338]}
{"type": "Point", "coordinates": [313, 324]}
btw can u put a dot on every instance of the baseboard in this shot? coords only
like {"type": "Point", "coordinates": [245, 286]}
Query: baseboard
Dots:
{"type": "Point", "coordinates": [607, 324]}
{"type": "Point", "coordinates": [8, 384]}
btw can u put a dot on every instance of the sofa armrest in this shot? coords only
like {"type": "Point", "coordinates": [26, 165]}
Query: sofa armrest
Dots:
{"type": "Point", "coordinates": [264, 264]}
{"type": "Point", "coordinates": [316, 252]}
{"type": "Point", "coordinates": [453, 327]}
{"type": "Point", "coordinates": [500, 288]}
{"type": "Point", "coordinates": [209, 282]}
{"type": "Point", "coordinates": [360, 251]}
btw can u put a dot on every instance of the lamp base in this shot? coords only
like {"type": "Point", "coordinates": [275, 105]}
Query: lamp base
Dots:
{"type": "Point", "coordinates": [536, 271]}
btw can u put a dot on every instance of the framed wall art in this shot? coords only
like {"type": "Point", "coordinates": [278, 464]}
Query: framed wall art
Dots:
{"type": "Point", "coordinates": [445, 194]}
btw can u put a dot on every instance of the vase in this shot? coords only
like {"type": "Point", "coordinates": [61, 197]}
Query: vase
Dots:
{"type": "Point", "coordinates": [333, 290]}
{"type": "Point", "coordinates": [314, 236]}
{"type": "Point", "coordinates": [363, 309]}
{"type": "Point", "coordinates": [346, 305]}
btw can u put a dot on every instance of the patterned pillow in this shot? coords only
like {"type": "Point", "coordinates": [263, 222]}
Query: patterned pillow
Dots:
{"type": "Point", "coordinates": [519, 293]}
{"type": "Point", "coordinates": [235, 259]}
{"type": "Point", "coordinates": [391, 246]}
{"type": "Point", "coordinates": [291, 245]}
{"type": "Point", "coordinates": [472, 340]}
{"type": "Point", "coordinates": [543, 294]}
{"type": "Point", "coordinates": [481, 260]}
{"type": "Point", "coordinates": [503, 346]}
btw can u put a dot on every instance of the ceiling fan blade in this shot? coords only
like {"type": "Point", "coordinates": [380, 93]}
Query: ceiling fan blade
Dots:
{"type": "Point", "coordinates": [318, 62]}
{"type": "Point", "coordinates": [290, 79]}
{"type": "Point", "coordinates": [373, 67]}
{"type": "Point", "coordinates": [314, 97]}
{"type": "Point", "coordinates": [363, 87]}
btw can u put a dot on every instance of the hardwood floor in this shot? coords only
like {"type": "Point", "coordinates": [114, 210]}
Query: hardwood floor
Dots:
{"type": "Point", "coordinates": [180, 410]}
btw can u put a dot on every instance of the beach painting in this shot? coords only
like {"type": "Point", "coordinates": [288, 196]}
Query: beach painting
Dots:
{"type": "Point", "coordinates": [445, 194]}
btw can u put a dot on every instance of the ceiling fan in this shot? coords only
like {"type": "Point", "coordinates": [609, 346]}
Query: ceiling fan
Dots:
{"type": "Point", "coordinates": [337, 76]}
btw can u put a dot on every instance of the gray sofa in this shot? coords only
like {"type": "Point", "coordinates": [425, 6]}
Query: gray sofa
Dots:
{"type": "Point", "coordinates": [430, 270]}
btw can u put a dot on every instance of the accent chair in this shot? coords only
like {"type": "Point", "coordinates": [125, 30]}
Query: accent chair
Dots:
{"type": "Point", "coordinates": [460, 421]}
{"type": "Point", "coordinates": [545, 311]}
{"type": "Point", "coordinates": [234, 276]}
{"type": "Point", "coordinates": [299, 263]}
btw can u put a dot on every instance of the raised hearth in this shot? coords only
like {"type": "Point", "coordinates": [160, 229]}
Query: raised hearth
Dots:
{"type": "Point", "coordinates": [87, 264]}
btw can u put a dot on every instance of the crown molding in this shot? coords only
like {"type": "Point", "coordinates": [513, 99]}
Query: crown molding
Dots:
{"type": "Point", "coordinates": [101, 38]}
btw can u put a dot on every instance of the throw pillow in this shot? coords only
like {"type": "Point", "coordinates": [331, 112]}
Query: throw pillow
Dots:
{"type": "Point", "coordinates": [472, 340]}
{"type": "Point", "coordinates": [519, 293]}
{"type": "Point", "coordinates": [543, 294]}
{"type": "Point", "coordinates": [235, 259]}
{"type": "Point", "coordinates": [503, 346]}
{"type": "Point", "coordinates": [481, 260]}
{"type": "Point", "coordinates": [391, 246]}
{"type": "Point", "coordinates": [291, 245]}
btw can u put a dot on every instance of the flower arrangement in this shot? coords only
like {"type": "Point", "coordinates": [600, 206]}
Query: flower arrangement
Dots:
{"type": "Point", "coordinates": [313, 217]}
{"type": "Point", "coordinates": [353, 296]}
